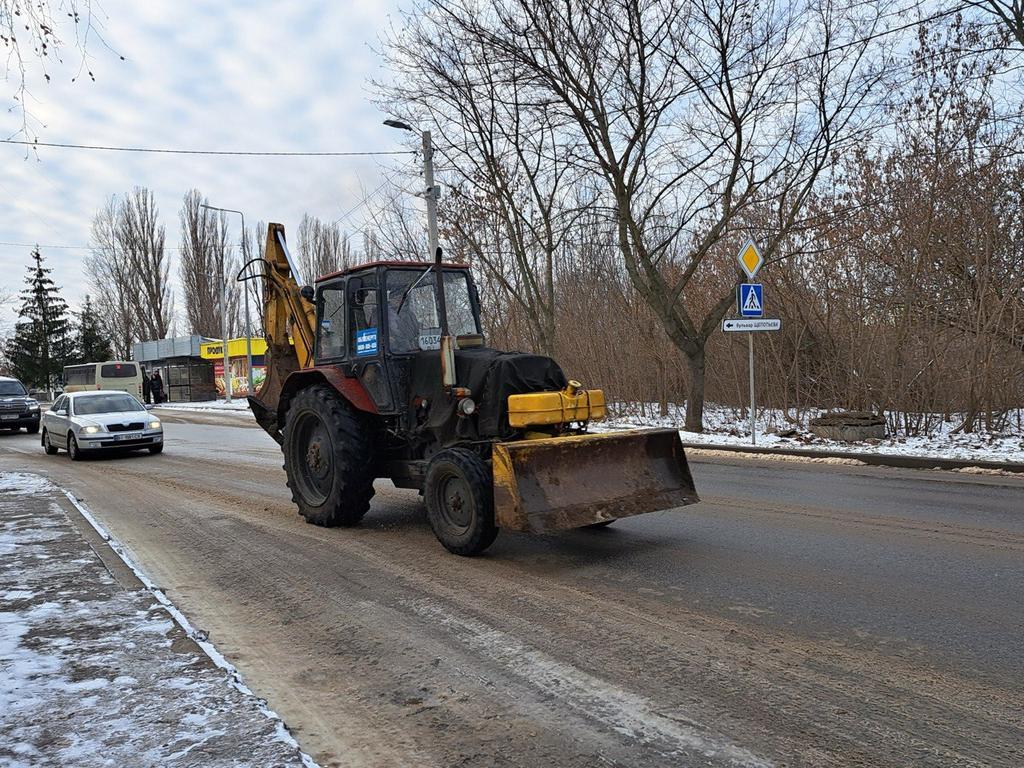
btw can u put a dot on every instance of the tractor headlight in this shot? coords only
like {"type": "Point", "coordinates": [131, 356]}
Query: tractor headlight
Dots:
{"type": "Point", "coordinates": [467, 407]}
{"type": "Point", "coordinates": [90, 430]}
{"type": "Point", "coordinates": [154, 424]}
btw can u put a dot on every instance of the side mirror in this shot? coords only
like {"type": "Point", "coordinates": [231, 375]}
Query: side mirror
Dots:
{"type": "Point", "coordinates": [150, 406]}
{"type": "Point", "coordinates": [62, 412]}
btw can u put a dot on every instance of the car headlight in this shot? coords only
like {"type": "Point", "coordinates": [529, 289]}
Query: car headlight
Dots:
{"type": "Point", "coordinates": [154, 424]}
{"type": "Point", "coordinates": [90, 430]}
{"type": "Point", "coordinates": [33, 405]}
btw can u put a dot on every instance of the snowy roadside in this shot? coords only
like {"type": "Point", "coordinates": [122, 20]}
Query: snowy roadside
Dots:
{"type": "Point", "coordinates": [93, 673]}
{"type": "Point", "coordinates": [235, 406]}
{"type": "Point", "coordinates": [722, 426]}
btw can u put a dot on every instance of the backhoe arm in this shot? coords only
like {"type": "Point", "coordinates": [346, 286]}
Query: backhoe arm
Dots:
{"type": "Point", "coordinates": [288, 321]}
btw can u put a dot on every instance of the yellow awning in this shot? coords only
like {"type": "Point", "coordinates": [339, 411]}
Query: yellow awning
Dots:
{"type": "Point", "coordinates": [214, 350]}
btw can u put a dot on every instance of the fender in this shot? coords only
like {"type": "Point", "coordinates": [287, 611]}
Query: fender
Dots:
{"type": "Point", "coordinates": [352, 390]}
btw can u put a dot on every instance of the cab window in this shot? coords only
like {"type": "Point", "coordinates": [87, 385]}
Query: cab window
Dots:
{"type": "Point", "coordinates": [331, 328]}
{"type": "Point", "coordinates": [364, 321]}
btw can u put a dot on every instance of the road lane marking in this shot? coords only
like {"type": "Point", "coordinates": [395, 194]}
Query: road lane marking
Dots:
{"type": "Point", "coordinates": [624, 712]}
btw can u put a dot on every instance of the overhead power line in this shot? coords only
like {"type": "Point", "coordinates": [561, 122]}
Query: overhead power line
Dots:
{"type": "Point", "coordinates": [45, 247]}
{"type": "Point", "coordinates": [152, 150]}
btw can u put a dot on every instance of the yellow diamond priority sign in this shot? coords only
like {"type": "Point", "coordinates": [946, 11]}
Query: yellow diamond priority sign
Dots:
{"type": "Point", "coordinates": [750, 259]}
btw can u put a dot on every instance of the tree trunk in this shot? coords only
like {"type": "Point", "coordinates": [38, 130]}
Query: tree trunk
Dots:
{"type": "Point", "coordinates": [695, 395]}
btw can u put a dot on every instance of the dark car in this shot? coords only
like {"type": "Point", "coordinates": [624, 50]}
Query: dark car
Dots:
{"type": "Point", "coordinates": [17, 408]}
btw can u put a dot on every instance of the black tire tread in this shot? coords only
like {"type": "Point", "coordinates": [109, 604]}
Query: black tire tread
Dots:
{"type": "Point", "coordinates": [74, 454]}
{"type": "Point", "coordinates": [477, 473]}
{"type": "Point", "coordinates": [50, 449]}
{"type": "Point", "coordinates": [352, 490]}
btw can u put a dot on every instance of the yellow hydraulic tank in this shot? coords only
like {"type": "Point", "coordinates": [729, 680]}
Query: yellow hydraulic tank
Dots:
{"type": "Point", "coordinates": [573, 403]}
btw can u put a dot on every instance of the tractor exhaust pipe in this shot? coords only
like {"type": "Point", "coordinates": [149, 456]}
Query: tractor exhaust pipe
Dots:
{"type": "Point", "coordinates": [447, 343]}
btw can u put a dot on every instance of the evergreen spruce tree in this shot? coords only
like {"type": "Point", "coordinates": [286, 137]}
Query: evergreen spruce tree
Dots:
{"type": "Point", "coordinates": [42, 342]}
{"type": "Point", "coordinates": [93, 345]}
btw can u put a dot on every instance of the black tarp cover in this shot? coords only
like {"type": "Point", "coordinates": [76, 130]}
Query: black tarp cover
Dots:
{"type": "Point", "coordinates": [491, 376]}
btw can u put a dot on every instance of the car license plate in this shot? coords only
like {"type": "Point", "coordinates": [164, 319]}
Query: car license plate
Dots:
{"type": "Point", "coordinates": [9, 416]}
{"type": "Point", "coordinates": [128, 436]}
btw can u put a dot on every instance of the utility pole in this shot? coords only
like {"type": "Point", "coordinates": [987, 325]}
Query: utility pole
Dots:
{"type": "Point", "coordinates": [248, 326]}
{"type": "Point", "coordinates": [224, 336]}
{"type": "Point", "coordinates": [432, 192]}
{"type": "Point", "coordinates": [431, 195]}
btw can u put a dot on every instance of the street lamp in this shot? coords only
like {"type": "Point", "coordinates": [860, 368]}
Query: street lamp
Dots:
{"type": "Point", "coordinates": [248, 326]}
{"type": "Point", "coordinates": [432, 192]}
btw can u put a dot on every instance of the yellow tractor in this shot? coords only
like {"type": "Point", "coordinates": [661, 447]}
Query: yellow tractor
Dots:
{"type": "Point", "coordinates": [381, 371]}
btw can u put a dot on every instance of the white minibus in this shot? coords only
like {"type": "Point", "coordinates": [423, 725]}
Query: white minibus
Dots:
{"type": "Point", "coordinates": [122, 375]}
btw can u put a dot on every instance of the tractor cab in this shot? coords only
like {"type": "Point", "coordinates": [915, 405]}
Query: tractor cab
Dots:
{"type": "Point", "coordinates": [375, 321]}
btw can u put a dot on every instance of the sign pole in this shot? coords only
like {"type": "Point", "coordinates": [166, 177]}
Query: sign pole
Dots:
{"type": "Point", "coordinates": [753, 412]}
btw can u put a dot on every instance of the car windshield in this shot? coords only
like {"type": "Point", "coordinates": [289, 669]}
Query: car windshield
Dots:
{"type": "Point", "coordinates": [112, 403]}
{"type": "Point", "coordinates": [8, 388]}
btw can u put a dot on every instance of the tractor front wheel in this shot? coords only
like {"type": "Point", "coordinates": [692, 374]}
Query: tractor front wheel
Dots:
{"type": "Point", "coordinates": [328, 456]}
{"type": "Point", "coordinates": [460, 503]}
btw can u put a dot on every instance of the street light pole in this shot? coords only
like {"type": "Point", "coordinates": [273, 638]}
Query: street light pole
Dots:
{"type": "Point", "coordinates": [248, 325]}
{"type": "Point", "coordinates": [432, 192]}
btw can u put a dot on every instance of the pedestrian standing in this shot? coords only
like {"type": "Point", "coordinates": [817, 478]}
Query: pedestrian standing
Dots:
{"type": "Point", "coordinates": [157, 387]}
{"type": "Point", "coordinates": [147, 389]}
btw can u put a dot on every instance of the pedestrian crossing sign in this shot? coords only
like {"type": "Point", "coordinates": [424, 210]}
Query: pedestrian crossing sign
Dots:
{"type": "Point", "coordinates": [750, 299]}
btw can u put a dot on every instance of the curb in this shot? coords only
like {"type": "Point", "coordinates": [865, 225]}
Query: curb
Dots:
{"type": "Point", "coordinates": [872, 459]}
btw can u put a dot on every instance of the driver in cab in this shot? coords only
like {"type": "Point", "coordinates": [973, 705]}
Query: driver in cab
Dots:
{"type": "Point", "coordinates": [403, 325]}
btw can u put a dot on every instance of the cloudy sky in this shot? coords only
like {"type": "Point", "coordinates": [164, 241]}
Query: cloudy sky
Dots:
{"type": "Point", "coordinates": [198, 74]}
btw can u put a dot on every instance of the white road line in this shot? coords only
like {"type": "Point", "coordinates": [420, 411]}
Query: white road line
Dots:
{"type": "Point", "coordinates": [627, 713]}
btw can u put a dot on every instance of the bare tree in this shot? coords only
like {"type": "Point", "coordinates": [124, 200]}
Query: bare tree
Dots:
{"type": "Point", "coordinates": [697, 118]}
{"type": "Point", "coordinates": [322, 247]}
{"type": "Point", "coordinates": [1009, 13]}
{"type": "Point", "coordinates": [511, 209]}
{"type": "Point", "coordinates": [129, 272]}
{"type": "Point", "coordinates": [32, 32]}
{"type": "Point", "coordinates": [113, 281]}
{"type": "Point", "coordinates": [140, 239]}
{"type": "Point", "coordinates": [206, 263]}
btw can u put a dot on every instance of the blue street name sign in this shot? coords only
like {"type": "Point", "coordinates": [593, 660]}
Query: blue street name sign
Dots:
{"type": "Point", "coordinates": [750, 300]}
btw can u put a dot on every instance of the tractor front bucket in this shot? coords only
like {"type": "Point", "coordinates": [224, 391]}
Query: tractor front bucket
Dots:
{"type": "Point", "coordinates": [556, 483]}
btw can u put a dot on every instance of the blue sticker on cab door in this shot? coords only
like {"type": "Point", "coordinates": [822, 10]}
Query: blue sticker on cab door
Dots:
{"type": "Point", "coordinates": [366, 342]}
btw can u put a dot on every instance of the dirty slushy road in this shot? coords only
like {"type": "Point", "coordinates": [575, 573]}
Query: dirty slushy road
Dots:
{"type": "Point", "coordinates": [801, 615]}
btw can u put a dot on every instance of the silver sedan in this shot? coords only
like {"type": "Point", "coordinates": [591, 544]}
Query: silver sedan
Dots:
{"type": "Point", "coordinates": [87, 422]}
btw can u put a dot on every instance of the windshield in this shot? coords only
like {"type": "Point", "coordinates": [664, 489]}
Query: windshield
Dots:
{"type": "Point", "coordinates": [8, 388]}
{"type": "Point", "coordinates": [415, 324]}
{"type": "Point", "coordinates": [111, 403]}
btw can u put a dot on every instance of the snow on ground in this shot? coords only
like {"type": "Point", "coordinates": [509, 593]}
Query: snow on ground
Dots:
{"type": "Point", "coordinates": [237, 404]}
{"type": "Point", "coordinates": [94, 674]}
{"type": "Point", "coordinates": [726, 426]}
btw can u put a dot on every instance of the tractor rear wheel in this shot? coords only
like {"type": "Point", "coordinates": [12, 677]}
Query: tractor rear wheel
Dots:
{"type": "Point", "coordinates": [328, 456]}
{"type": "Point", "coordinates": [460, 501]}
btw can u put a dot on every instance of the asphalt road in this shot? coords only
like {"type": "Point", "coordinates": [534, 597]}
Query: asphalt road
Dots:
{"type": "Point", "coordinates": [801, 615]}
